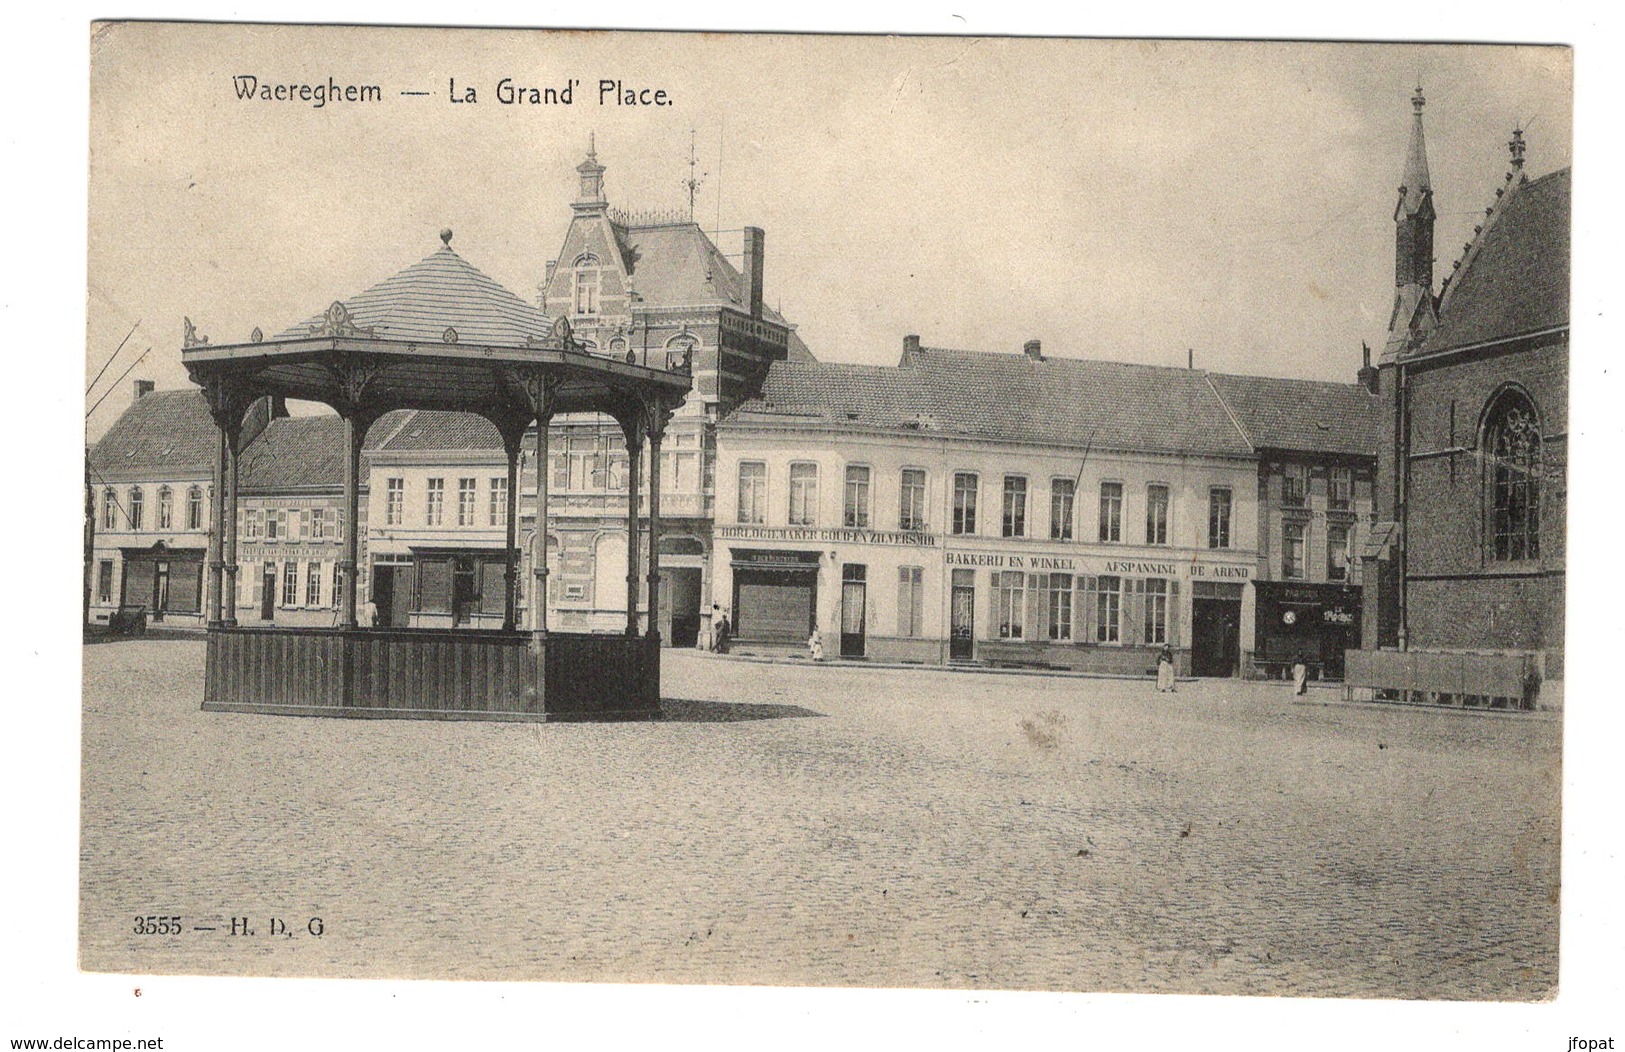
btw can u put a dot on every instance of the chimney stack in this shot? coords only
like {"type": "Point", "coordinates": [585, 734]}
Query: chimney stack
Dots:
{"type": "Point", "coordinates": [911, 343]}
{"type": "Point", "coordinates": [1033, 349]}
{"type": "Point", "coordinates": [752, 267]}
{"type": "Point", "coordinates": [143, 387]}
{"type": "Point", "coordinates": [1367, 376]}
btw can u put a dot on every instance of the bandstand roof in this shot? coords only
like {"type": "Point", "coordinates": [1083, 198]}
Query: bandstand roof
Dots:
{"type": "Point", "coordinates": [438, 335]}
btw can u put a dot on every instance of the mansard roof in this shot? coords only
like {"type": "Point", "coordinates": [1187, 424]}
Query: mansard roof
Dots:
{"type": "Point", "coordinates": [439, 292]}
{"type": "Point", "coordinates": [1515, 277]}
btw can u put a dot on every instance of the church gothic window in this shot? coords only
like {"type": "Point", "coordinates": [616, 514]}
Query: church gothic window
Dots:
{"type": "Point", "coordinates": [1511, 455]}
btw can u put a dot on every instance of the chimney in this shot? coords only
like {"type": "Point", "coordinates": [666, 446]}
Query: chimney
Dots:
{"type": "Point", "coordinates": [143, 387]}
{"type": "Point", "coordinates": [1367, 376]}
{"type": "Point", "coordinates": [911, 344]}
{"type": "Point", "coordinates": [1033, 349]}
{"type": "Point", "coordinates": [752, 267]}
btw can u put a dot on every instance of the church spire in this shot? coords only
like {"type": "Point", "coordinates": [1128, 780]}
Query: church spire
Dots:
{"type": "Point", "coordinates": [1414, 314]}
{"type": "Point", "coordinates": [1414, 185]}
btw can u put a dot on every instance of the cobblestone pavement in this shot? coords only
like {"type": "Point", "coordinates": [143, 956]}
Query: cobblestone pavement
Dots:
{"type": "Point", "coordinates": [819, 826]}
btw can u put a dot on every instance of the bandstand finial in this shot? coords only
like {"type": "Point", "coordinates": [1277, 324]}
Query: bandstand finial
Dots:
{"type": "Point", "coordinates": [445, 237]}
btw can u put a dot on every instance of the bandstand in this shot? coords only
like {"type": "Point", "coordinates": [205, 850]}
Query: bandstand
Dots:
{"type": "Point", "coordinates": [521, 672]}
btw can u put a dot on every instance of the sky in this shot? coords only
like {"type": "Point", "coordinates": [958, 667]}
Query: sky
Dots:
{"type": "Point", "coordinates": [1132, 201]}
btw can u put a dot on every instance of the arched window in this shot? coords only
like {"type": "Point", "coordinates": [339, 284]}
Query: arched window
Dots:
{"type": "Point", "coordinates": [585, 298]}
{"type": "Point", "coordinates": [136, 507]}
{"type": "Point", "coordinates": [109, 505]}
{"type": "Point", "coordinates": [1511, 452]}
{"type": "Point", "coordinates": [166, 507]}
{"type": "Point", "coordinates": [194, 508]}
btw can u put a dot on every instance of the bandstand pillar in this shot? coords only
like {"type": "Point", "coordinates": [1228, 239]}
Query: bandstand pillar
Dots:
{"type": "Point", "coordinates": [632, 428]}
{"type": "Point", "coordinates": [657, 431]}
{"type": "Point", "coordinates": [512, 442]}
{"type": "Point", "coordinates": [217, 503]}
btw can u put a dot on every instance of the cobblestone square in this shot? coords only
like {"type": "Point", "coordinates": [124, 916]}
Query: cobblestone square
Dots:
{"type": "Point", "coordinates": [832, 825]}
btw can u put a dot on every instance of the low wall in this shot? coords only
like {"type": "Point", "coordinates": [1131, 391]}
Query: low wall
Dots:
{"type": "Point", "coordinates": [1451, 675]}
{"type": "Point", "coordinates": [435, 674]}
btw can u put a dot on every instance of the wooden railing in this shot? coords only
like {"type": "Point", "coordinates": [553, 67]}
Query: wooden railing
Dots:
{"type": "Point", "coordinates": [434, 673]}
{"type": "Point", "coordinates": [1453, 676]}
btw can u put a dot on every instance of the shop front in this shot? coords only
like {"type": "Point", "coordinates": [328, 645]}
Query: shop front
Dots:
{"type": "Point", "coordinates": [167, 581]}
{"type": "Point", "coordinates": [775, 594]}
{"type": "Point", "coordinates": [1312, 622]}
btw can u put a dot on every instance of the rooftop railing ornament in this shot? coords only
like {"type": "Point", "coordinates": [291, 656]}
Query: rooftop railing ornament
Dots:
{"type": "Point", "coordinates": [337, 321]}
{"type": "Point", "coordinates": [189, 336]}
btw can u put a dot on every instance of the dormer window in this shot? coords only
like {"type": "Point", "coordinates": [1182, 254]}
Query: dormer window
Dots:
{"type": "Point", "coordinates": [585, 296]}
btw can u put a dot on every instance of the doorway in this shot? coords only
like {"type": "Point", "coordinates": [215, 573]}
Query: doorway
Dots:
{"type": "Point", "coordinates": [962, 617]}
{"type": "Point", "coordinates": [680, 605]}
{"type": "Point", "coordinates": [160, 589]}
{"type": "Point", "coordinates": [463, 595]}
{"type": "Point", "coordinates": [854, 590]}
{"type": "Point", "coordinates": [1215, 636]}
{"type": "Point", "coordinates": [268, 592]}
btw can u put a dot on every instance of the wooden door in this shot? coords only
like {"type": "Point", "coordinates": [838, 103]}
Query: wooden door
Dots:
{"type": "Point", "coordinates": [854, 589]}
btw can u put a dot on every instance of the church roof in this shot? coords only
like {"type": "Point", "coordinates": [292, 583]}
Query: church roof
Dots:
{"type": "Point", "coordinates": [442, 291]}
{"type": "Point", "coordinates": [1515, 278]}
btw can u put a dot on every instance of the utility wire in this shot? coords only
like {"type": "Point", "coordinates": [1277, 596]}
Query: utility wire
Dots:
{"type": "Point", "coordinates": [112, 356]}
{"type": "Point", "coordinates": [120, 379]}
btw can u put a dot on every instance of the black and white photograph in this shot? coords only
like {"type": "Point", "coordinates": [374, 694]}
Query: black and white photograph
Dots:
{"type": "Point", "coordinates": [971, 515]}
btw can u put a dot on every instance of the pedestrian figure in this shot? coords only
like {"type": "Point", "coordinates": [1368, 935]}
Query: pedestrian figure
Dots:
{"type": "Point", "coordinates": [815, 645]}
{"type": "Point", "coordinates": [710, 640]}
{"type": "Point", "coordinates": [369, 615]}
{"type": "Point", "coordinates": [721, 631]}
{"type": "Point", "coordinates": [1300, 676]}
{"type": "Point", "coordinates": [1165, 670]}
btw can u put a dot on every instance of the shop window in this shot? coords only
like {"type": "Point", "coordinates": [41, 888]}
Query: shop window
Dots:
{"type": "Point", "coordinates": [1010, 597]}
{"type": "Point", "coordinates": [752, 493]}
{"type": "Point", "coordinates": [1294, 485]}
{"type": "Point", "coordinates": [434, 508]}
{"type": "Point", "coordinates": [109, 504]}
{"type": "Point", "coordinates": [194, 508]}
{"type": "Point", "coordinates": [1337, 553]}
{"type": "Point", "coordinates": [394, 501]}
{"type": "Point", "coordinates": [803, 494]}
{"type": "Point", "coordinates": [911, 502]}
{"type": "Point", "coordinates": [910, 601]}
{"type": "Point", "coordinates": [855, 504]}
{"type": "Point", "coordinates": [1156, 514]}
{"type": "Point", "coordinates": [966, 486]}
{"type": "Point", "coordinates": [1156, 611]}
{"type": "Point", "coordinates": [1511, 447]}
{"type": "Point", "coordinates": [104, 581]}
{"type": "Point", "coordinates": [1062, 497]}
{"type": "Point", "coordinates": [1218, 518]}
{"type": "Point", "coordinates": [1108, 609]}
{"type": "Point", "coordinates": [1060, 607]}
{"type": "Point", "coordinates": [1292, 564]}
{"type": "Point", "coordinates": [166, 508]}
{"type": "Point", "coordinates": [1111, 512]}
{"type": "Point", "coordinates": [467, 497]}
{"type": "Point", "coordinates": [1340, 489]}
{"type": "Point", "coordinates": [1015, 506]}
{"type": "Point", "coordinates": [499, 501]}
{"type": "Point", "coordinates": [136, 507]}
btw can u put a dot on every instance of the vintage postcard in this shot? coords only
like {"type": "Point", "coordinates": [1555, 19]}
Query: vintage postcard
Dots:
{"type": "Point", "coordinates": [965, 513]}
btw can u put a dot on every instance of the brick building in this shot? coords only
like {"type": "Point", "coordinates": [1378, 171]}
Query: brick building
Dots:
{"type": "Point", "coordinates": [1470, 556]}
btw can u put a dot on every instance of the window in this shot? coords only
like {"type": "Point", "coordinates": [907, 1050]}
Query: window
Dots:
{"type": "Point", "coordinates": [1111, 512]}
{"type": "Point", "coordinates": [1156, 514]}
{"type": "Point", "coordinates": [1340, 489]}
{"type": "Point", "coordinates": [1292, 549]}
{"type": "Point", "coordinates": [137, 502]}
{"type": "Point", "coordinates": [965, 488]}
{"type": "Point", "coordinates": [1294, 485]}
{"type": "Point", "coordinates": [752, 492]}
{"type": "Point", "coordinates": [194, 508]}
{"type": "Point", "coordinates": [585, 464]}
{"type": "Point", "coordinates": [467, 495]}
{"type": "Point", "coordinates": [910, 601]}
{"type": "Point", "coordinates": [1512, 457]}
{"type": "Point", "coordinates": [680, 463]}
{"type": "Point", "coordinates": [394, 501]}
{"type": "Point", "coordinates": [109, 503]}
{"type": "Point", "coordinates": [585, 297]}
{"type": "Point", "coordinates": [1060, 606]}
{"type": "Point", "coordinates": [499, 501]}
{"type": "Point", "coordinates": [1156, 610]}
{"type": "Point", "coordinates": [1337, 553]}
{"type": "Point", "coordinates": [273, 524]}
{"type": "Point", "coordinates": [251, 524]}
{"type": "Point", "coordinates": [1010, 595]}
{"type": "Point", "coordinates": [856, 514]}
{"type": "Point", "coordinates": [435, 509]}
{"type": "Point", "coordinates": [313, 584]}
{"type": "Point", "coordinates": [290, 583]}
{"type": "Point", "coordinates": [1108, 609]}
{"type": "Point", "coordinates": [104, 581]}
{"type": "Point", "coordinates": [166, 508]}
{"type": "Point", "coordinates": [803, 494]}
{"type": "Point", "coordinates": [911, 502]}
{"type": "Point", "coordinates": [1218, 518]}
{"type": "Point", "coordinates": [1015, 506]}
{"type": "Point", "coordinates": [1062, 495]}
